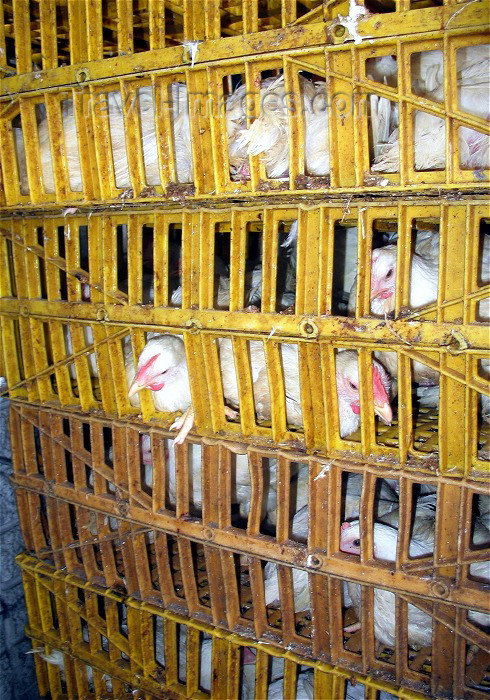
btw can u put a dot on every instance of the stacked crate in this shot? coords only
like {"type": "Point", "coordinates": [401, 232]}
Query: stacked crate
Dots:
{"type": "Point", "coordinates": [125, 564]}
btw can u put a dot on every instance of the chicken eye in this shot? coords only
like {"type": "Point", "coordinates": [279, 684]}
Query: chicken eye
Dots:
{"type": "Point", "coordinates": [389, 273]}
{"type": "Point", "coordinates": [352, 385]}
{"type": "Point", "coordinates": [357, 543]}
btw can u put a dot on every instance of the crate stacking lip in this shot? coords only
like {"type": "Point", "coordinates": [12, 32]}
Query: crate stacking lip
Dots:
{"type": "Point", "coordinates": [82, 295]}
{"type": "Point", "coordinates": [55, 34]}
{"type": "Point", "coordinates": [248, 541]}
{"type": "Point", "coordinates": [392, 114]}
{"type": "Point", "coordinates": [98, 641]}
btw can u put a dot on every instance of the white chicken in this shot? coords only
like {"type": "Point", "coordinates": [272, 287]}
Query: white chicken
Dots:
{"type": "Point", "coordinates": [423, 280]}
{"type": "Point", "coordinates": [275, 666]}
{"type": "Point", "coordinates": [205, 665]}
{"type": "Point", "coordinates": [424, 523]}
{"type": "Point", "coordinates": [236, 124]}
{"type": "Point", "coordinates": [345, 264]}
{"type": "Point", "coordinates": [423, 291]}
{"type": "Point", "coordinates": [299, 531]}
{"type": "Point", "coordinates": [253, 292]}
{"type": "Point", "coordinates": [424, 526]}
{"type": "Point", "coordinates": [304, 687]}
{"type": "Point", "coordinates": [162, 367]}
{"type": "Point", "coordinates": [347, 381]}
{"type": "Point", "coordinates": [143, 103]}
{"type": "Point", "coordinates": [268, 134]}
{"type": "Point", "coordinates": [385, 542]}
{"type": "Point", "coordinates": [88, 338]}
{"type": "Point", "coordinates": [221, 295]}
{"type": "Point", "coordinates": [386, 499]}
{"type": "Point", "coordinates": [421, 543]}
{"type": "Point", "coordinates": [241, 486]}
{"type": "Point", "coordinates": [430, 130]}
{"type": "Point", "coordinates": [57, 658]}
{"type": "Point", "coordinates": [285, 298]}
{"type": "Point", "coordinates": [286, 259]}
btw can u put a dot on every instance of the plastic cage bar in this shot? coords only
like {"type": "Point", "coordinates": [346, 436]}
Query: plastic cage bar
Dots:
{"type": "Point", "coordinates": [81, 294]}
{"type": "Point", "coordinates": [396, 114]}
{"type": "Point", "coordinates": [99, 640]}
{"type": "Point", "coordinates": [258, 554]}
{"type": "Point", "coordinates": [49, 34]}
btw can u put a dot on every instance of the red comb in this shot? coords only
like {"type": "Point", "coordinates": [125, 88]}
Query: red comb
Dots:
{"type": "Point", "coordinates": [144, 373]}
{"type": "Point", "coordinates": [379, 390]}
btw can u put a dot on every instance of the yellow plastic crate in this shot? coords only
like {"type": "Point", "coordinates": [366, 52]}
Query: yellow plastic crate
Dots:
{"type": "Point", "coordinates": [105, 131]}
{"type": "Point", "coordinates": [52, 33]}
{"type": "Point", "coordinates": [157, 653]}
{"type": "Point", "coordinates": [90, 506]}
{"type": "Point", "coordinates": [74, 306]}
{"type": "Point", "coordinates": [72, 313]}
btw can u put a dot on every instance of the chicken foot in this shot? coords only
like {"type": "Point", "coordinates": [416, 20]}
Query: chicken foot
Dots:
{"type": "Point", "coordinates": [352, 628]}
{"type": "Point", "coordinates": [183, 424]}
{"type": "Point", "coordinates": [230, 414]}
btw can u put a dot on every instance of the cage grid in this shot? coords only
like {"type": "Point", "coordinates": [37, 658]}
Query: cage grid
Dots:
{"type": "Point", "coordinates": [129, 209]}
{"type": "Point", "coordinates": [82, 293]}
{"type": "Point", "coordinates": [166, 540]}
{"type": "Point", "coordinates": [49, 34]}
{"type": "Point", "coordinates": [156, 651]}
{"type": "Point", "coordinates": [168, 130]}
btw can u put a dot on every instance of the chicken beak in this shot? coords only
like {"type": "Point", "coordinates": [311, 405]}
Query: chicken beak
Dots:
{"type": "Point", "coordinates": [134, 388]}
{"type": "Point", "coordinates": [384, 412]}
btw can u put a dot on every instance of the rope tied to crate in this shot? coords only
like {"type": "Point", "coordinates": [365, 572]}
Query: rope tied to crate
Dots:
{"type": "Point", "coordinates": [96, 540]}
{"type": "Point", "coordinates": [80, 275]}
{"type": "Point", "coordinates": [4, 389]}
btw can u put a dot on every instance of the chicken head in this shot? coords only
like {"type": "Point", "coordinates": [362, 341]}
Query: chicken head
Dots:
{"type": "Point", "coordinates": [383, 279]}
{"type": "Point", "coordinates": [347, 371]}
{"type": "Point", "coordinates": [158, 364]}
{"type": "Point", "coordinates": [350, 541]}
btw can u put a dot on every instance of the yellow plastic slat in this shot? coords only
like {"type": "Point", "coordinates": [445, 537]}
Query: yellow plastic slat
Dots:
{"type": "Point", "coordinates": [22, 34]}
{"type": "Point", "coordinates": [124, 14]}
{"type": "Point", "coordinates": [94, 30]}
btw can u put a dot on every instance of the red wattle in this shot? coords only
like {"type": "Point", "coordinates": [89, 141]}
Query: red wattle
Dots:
{"type": "Point", "coordinates": [156, 386]}
{"type": "Point", "coordinates": [355, 408]}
